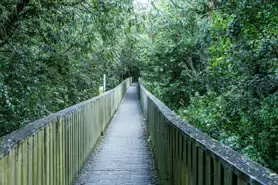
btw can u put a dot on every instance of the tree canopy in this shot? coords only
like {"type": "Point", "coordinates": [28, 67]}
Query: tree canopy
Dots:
{"type": "Point", "coordinates": [54, 53]}
{"type": "Point", "coordinates": [215, 64]}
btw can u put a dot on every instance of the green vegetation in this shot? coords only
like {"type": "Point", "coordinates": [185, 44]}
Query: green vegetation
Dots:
{"type": "Point", "coordinates": [54, 53]}
{"type": "Point", "coordinates": [215, 63]}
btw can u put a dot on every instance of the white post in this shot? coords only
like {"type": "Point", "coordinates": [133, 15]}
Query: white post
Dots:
{"type": "Point", "coordinates": [104, 83]}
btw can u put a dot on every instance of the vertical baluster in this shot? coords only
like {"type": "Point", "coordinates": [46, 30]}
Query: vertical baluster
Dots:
{"type": "Point", "coordinates": [201, 166]}
{"type": "Point", "coordinates": [71, 147]}
{"type": "Point", "coordinates": [40, 154]}
{"type": "Point", "coordinates": [13, 165]}
{"type": "Point", "coordinates": [208, 172]}
{"type": "Point", "coordinates": [51, 140]}
{"type": "Point", "coordinates": [58, 146]}
{"type": "Point", "coordinates": [2, 167]}
{"type": "Point", "coordinates": [67, 150]}
{"type": "Point", "coordinates": [63, 149]}
{"type": "Point", "coordinates": [78, 140]}
{"type": "Point", "coordinates": [228, 176]}
{"type": "Point", "coordinates": [176, 158]}
{"type": "Point", "coordinates": [30, 160]}
{"type": "Point", "coordinates": [189, 159]}
{"type": "Point", "coordinates": [7, 170]}
{"type": "Point", "coordinates": [34, 164]}
{"type": "Point", "coordinates": [46, 156]}
{"type": "Point", "coordinates": [180, 138]}
{"type": "Point", "coordinates": [217, 172]}
{"type": "Point", "coordinates": [185, 161]}
{"type": "Point", "coordinates": [54, 167]}
{"type": "Point", "coordinates": [171, 155]}
{"type": "Point", "coordinates": [75, 144]}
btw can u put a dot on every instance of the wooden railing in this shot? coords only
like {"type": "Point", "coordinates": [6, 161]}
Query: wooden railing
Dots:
{"type": "Point", "coordinates": [52, 151]}
{"type": "Point", "coordinates": [186, 156]}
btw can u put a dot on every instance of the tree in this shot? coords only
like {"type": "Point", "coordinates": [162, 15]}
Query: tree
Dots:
{"type": "Point", "coordinates": [54, 54]}
{"type": "Point", "coordinates": [215, 64]}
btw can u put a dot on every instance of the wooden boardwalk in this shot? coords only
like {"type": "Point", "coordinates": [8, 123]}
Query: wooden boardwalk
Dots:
{"type": "Point", "coordinates": [123, 156]}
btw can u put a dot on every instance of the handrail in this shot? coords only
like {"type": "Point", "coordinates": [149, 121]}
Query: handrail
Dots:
{"type": "Point", "coordinates": [53, 150]}
{"type": "Point", "coordinates": [185, 155]}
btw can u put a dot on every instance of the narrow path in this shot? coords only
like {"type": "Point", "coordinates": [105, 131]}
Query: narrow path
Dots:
{"type": "Point", "coordinates": [123, 157]}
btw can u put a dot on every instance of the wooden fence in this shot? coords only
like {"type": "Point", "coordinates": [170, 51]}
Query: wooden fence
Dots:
{"type": "Point", "coordinates": [186, 156]}
{"type": "Point", "coordinates": [53, 150]}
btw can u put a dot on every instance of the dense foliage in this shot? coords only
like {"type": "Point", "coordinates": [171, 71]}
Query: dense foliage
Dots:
{"type": "Point", "coordinates": [54, 53]}
{"type": "Point", "coordinates": [216, 64]}
{"type": "Point", "coordinates": [213, 62]}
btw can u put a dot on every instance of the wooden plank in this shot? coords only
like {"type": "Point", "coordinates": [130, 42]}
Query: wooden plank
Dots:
{"type": "Point", "coordinates": [217, 172]}
{"type": "Point", "coordinates": [83, 133]}
{"type": "Point", "coordinates": [25, 162]}
{"type": "Point", "coordinates": [171, 155]}
{"type": "Point", "coordinates": [54, 152]}
{"type": "Point", "coordinates": [2, 167]}
{"type": "Point", "coordinates": [46, 156]}
{"type": "Point", "coordinates": [189, 159]}
{"type": "Point", "coordinates": [87, 137]}
{"type": "Point", "coordinates": [30, 160]}
{"type": "Point", "coordinates": [228, 176]}
{"type": "Point", "coordinates": [167, 153]}
{"type": "Point", "coordinates": [63, 153]}
{"type": "Point", "coordinates": [185, 171]}
{"type": "Point", "coordinates": [201, 167]}
{"type": "Point", "coordinates": [76, 143]}
{"type": "Point", "coordinates": [176, 157]}
{"type": "Point", "coordinates": [19, 164]}
{"type": "Point", "coordinates": [13, 165]}
{"type": "Point", "coordinates": [35, 160]}
{"type": "Point", "coordinates": [180, 182]}
{"type": "Point", "coordinates": [67, 150]}
{"type": "Point", "coordinates": [81, 142]}
{"type": "Point", "coordinates": [209, 170]}
{"type": "Point", "coordinates": [79, 159]}
{"type": "Point", "coordinates": [38, 163]}
{"type": "Point", "coordinates": [194, 164]}
{"type": "Point", "coordinates": [157, 140]}
{"type": "Point", "coordinates": [58, 152]}
{"type": "Point", "coordinates": [50, 172]}
{"type": "Point", "coordinates": [73, 144]}
{"type": "Point", "coordinates": [40, 158]}
{"type": "Point", "coordinates": [7, 170]}
{"type": "Point", "coordinates": [71, 148]}
{"type": "Point", "coordinates": [76, 160]}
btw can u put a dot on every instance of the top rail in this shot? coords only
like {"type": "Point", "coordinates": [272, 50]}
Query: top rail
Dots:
{"type": "Point", "coordinates": [52, 150]}
{"type": "Point", "coordinates": [185, 155]}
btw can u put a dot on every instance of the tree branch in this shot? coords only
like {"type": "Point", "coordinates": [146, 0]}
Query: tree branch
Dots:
{"type": "Point", "coordinates": [12, 18]}
{"type": "Point", "coordinates": [176, 5]}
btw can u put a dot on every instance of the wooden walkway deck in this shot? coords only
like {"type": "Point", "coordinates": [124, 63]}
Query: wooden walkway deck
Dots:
{"type": "Point", "coordinates": [123, 156]}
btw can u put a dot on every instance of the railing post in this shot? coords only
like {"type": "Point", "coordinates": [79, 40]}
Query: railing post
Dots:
{"type": "Point", "coordinates": [104, 83]}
